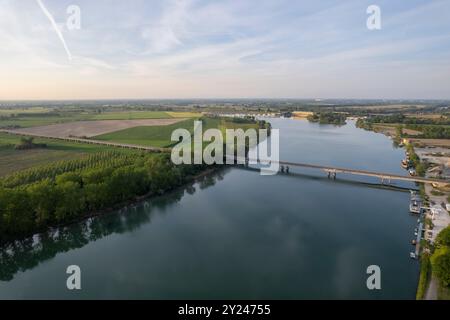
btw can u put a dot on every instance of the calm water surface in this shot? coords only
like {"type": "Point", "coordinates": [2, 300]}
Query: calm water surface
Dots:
{"type": "Point", "coordinates": [237, 234]}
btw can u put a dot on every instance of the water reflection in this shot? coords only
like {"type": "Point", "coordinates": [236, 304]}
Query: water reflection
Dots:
{"type": "Point", "coordinates": [26, 254]}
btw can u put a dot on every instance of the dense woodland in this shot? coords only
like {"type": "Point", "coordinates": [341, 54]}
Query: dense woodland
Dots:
{"type": "Point", "coordinates": [437, 128]}
{"type": "Point", "coordinates": [328, 118]}
{"type": "Point", "coordinates": [54, 194]}
{"type": "Point", "coordinates": [401, 118]}
{"type": "Point", "coordinates": [440, 260]}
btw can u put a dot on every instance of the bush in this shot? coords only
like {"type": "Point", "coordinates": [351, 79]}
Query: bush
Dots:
{"type": "Point", "coordinates": [443, 238]}
{"type": "Point", "coordinates": [70, 190]}
{"type": "Point", "coordinates": [440, 262]}
{"type": "Point", "coordinates": [424, 276]}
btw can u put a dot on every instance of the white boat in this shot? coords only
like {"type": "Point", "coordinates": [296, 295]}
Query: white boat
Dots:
{"type": "Point", "coordinates": [415, 204]}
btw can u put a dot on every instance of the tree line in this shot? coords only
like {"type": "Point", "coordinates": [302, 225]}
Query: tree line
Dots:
{"type": "Point", "coordinates": [401, 118]}
{"type": "Point", "coordinates": [328, 118]}
{"type": "Point", "coordinates": [440, 259]}
{"type": "Point", "coordinates": [34, 200]}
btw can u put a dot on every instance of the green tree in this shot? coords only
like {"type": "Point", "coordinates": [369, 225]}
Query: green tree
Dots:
{"type": "Point", "coordinates": [69, 177]}
{"type": "Point", "coordinates": [443, 238]}
{"type": "Point", "coordinates": [440, 262]}
{"type": "Point", "coordinates": [17, 212]}
{"type": "Point", "coordinates": [161, 174]}
{"type": "Point", "coordinates": [42, 198]}
{"type": "Point", "coordinates": [70, 202]}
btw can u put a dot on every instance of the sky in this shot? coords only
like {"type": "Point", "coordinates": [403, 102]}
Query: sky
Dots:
{"type": "Point", "coordinates": [138, 49]}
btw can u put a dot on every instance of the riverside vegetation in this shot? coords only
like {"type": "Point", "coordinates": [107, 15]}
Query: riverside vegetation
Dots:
{"type": "Point", "coordinates": [438, 128]}
{"type": "Point", "coordinates": [58, 193]}
{"type": "Point", "coordinates": [440, 259]}
{"type": "Point", "coordinates": [328, 118]}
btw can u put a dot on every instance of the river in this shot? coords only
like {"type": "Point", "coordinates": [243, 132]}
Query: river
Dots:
{"type": "Point", "coordinates": [237, 234]}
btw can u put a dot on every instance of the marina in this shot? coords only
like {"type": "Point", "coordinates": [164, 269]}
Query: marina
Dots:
{"type": "Point", "coordinates": [415, 204]}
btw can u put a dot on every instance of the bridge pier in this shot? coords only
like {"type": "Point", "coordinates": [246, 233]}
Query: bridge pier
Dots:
{"type": "Point", "coordinates": [331, 174]}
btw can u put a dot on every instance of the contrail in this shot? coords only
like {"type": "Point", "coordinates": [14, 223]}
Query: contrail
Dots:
{"type": "Point", "coordinates": [58, 32]}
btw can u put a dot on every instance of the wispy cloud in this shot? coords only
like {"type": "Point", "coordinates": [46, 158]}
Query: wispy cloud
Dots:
{"type": "Point", "coordinates": [225, 48]}
{"type": "Point", "coordinates": [55, 27]}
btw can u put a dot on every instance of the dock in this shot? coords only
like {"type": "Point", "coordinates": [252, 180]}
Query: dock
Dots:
{"type": "Point", "coordinates": [418, 239]}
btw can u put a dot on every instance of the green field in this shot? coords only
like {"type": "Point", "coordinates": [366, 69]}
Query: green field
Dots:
{"type": "Point", "coordinates": [12, 160]}
{"type": "Point", "coordinates": [133, 115]}
{"type": "Point", "coordinates": [159, 136]}
{"type": "Point", "coordinates": [33, 110]}
{"type": "Point", "coordinates": [27, 122]}
{"type": "Point", "coordinates": [156, 136]}
{"type": "Point", "coordinates": [25, 118]}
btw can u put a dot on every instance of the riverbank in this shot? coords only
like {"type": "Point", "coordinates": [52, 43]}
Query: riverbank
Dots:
{"type": "Point", "coordinates": [117, 206]}
{"type": "Point", "coordinates": [436, 218]}
{"type": "Point", "coordinates": [431, 161]}
{"type": "Point", "coordinates": [238, 234]}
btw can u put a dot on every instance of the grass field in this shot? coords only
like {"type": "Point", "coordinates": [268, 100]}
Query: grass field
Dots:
{"type": "Point", "coordinates": [41, 118]}
{"type": "Point", "coordinates": [33, 110]}
{"type": "Point", "coordinates": [156, 136]}
{"type": "Point", "coordinates": [28, 122]}
{"type": "Point", "coordinates": [159, 136]}
{"type": "Point", "coordinates": [133, 115]}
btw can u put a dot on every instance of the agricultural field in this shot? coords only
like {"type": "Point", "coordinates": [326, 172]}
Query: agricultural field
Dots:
{"type": "Point", "coordinates": [432, 116]}
{"type": "Point", "coordinates": [35, 121]}
{"type": "Point", "coordinates": [34, 117]}
{"type": "Point", "coordinates": [301, 114]}
{"type": "Point", "coordinates": [12, 160]}
{"type": "Point", "coordinates": [444, 143]}
{"type": "Point", "coordinates": [33, 110]}
{"type": "Point", "coordinates": [93, 128]}
{"type": "Point", "coordinates": [160, 136]}
{"type": "Point", "coordinates": [390, 129]}
{"type": "Point", "coordinates": [184, 114]}
{"type": "Point", "coordinates": [147, 128]}
{"type": "Point", "coordinates": [132, 115]}
{"type": "Point", "coordinates": [156, 136]}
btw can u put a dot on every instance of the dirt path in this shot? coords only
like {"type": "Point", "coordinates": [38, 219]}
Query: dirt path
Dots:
{"type": "Point", "coordinates": [431, 293]}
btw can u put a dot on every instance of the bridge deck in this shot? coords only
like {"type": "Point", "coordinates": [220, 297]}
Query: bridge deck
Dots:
{"type": "Point", "coordinates": [382, 175]}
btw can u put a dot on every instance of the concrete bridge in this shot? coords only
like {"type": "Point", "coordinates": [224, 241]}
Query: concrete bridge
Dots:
{"type": "Point", "coordinates": [331, 171]}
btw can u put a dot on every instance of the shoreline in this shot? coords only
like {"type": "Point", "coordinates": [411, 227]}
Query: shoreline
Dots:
{"type": "Point", "coordinates": [109, 210]}
{"type": "Point", "coordinates": [427, 286]}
